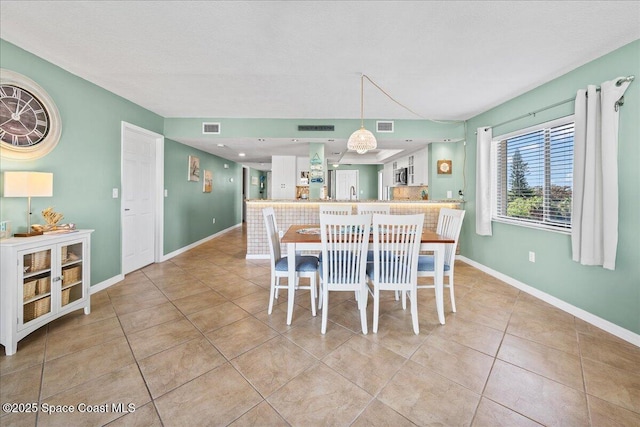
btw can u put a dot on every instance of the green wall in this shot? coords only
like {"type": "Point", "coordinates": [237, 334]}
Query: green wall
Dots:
{"type": "Point", "coordinates": [188, 211]}
{"type": "Point", "coordinates": [611, 295]}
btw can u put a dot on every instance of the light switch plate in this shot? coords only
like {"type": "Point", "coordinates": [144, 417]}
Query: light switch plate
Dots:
{"type": "Point", "coordinates": [114, 193]}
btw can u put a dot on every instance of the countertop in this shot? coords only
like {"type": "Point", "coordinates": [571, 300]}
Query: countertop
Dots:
{"type": "Point", "coordinates": [351, 201]}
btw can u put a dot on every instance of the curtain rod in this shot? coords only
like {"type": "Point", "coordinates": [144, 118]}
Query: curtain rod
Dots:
{"type": "Point", "coordinates": [533, 113]}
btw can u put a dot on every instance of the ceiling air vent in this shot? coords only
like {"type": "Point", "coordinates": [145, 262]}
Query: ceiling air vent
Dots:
{"type": "Point", "coordinates": [210, 128]}
{"type": "Point", "coordinates": [322, 128]}
{"type": "Point", "coordinates": [384, 126]}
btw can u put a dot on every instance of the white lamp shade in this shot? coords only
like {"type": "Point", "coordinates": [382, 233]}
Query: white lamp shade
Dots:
{"type": "Point", "coordinates": [28, 184]}
{"type": "Point", "coordinates": [362, 141]}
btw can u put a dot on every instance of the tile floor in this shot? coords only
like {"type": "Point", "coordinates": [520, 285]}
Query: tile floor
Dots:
{"type": "Point", "coordinates": [189, 342]}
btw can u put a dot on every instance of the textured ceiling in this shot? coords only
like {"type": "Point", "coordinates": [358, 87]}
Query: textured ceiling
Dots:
{"type": "Point", "coordinates": [446, 60]}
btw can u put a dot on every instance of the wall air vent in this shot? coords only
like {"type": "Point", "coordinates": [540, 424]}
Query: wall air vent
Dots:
{"type": "Point", "coordinates": [210, 128]}
{"type": "Point", "coordinates": [384, 126]}
{"type": "Point", "coordinates": [322, 128]}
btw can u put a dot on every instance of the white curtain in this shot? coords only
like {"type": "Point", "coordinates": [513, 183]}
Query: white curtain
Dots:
{"type": "Point", "coordinates": [483, 181]}
{"type": "Point", "coordinates": [594, 224]}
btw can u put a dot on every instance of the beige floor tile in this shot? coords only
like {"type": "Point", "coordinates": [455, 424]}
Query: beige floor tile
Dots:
{"type": "Point", "coordinates": [378, 414]}
{"type": "Point", "coordinates": [319, 396]}
{"type": "Point", "coordinates": [554, 364]}
{"type": "Point", "coordinates": [85, 365]}
{"type": "Point", "coordinates": [614, 353]}
{"type": "Point", "coordinates": [197, 302]}
{"type": "Point", "coordinates": [346, 314]}
{"type": "Point", "coordinates": [471, 334]}
{"type": "Point", "coordinates": [255, 302]}
{"type": "Point", "coordinates": [273, 364]}
{"type": "Point", "coordinates": [119, 391]}
{"type": "Point", "coordinates": [490, 414]}
{"type": "Point", "coordinates": [220, 396]}
{"type": "Point", "coordinates": [172, 368]}
{"type": "Point", "coordinates": [128, 287]}
{"type": "Point", "coordinates": [78, 318]}
{"type": "Point", "coordinates": [308, 336]}
{"type": "Point", "coordinates": [184, 289]}
{"type": "Point", "coordinates": [161, 337]}
{"type": "Point", "coordinates": [278, 317]}
{"type": "Point", "coordinates": [396, 334]}
{"type": "Point", "coordinates": [556, 334]}
{"type": "Point", "coordinates": [260, 415]}
{"type": "Point", "coordinates": [366, 364]}
{"type": "Point", "coordinates": [605, 414]}
{"type": "Point", "coordinates": [31, 350]}
{"type": "Point", "coordinates": [238, 337]}
{"type": "Point", "coordinates": [18, 419]}
{"type": "Point", "coordinates": [463, 365]}
{"type": "Point", "coordinates": [234, 290]}
{"type": "Point", "coordinates": [217, 316]}
{"type": "Point", "coordinates": [427, 398]}
{"type": "Point", "coordinates": [493, 317]}
{"type": "Point", "coordinates": [145, 415]}
{"type": "Point", "coordinates": [536, 397]}
{"type": "Point", "coordinates": [139, 301]}
{"type": "Point", "coordinates": [70, 340]}
{"type": "Point", "coordinates": [614, 385]}
{"type": "Point", "coordinates": [21, 386]}
{"type": "Point", "coordinates": [143, 319]}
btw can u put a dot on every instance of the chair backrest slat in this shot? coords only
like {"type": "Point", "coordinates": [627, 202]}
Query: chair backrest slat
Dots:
{"type": "Point", "coordinates": [449, 225]}
{"type": "Point", "coordinates": [334, 209]}
{"type": "Point", "coordinates": [373, 208]}
{"type": "Point", "coordinates": [396, 246]}
{"type": "Point", "coordinates": [272, 234]}
{"type": "Point", "coordinates": [345, 240]}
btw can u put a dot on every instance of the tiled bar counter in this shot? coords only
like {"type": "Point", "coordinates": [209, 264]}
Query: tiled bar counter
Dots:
{"type": "Point", "coordinates": [289, 212]}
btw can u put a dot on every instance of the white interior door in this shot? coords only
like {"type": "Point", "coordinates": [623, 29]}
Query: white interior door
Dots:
{"type": "Point", "coordinates": [347, 185]}
{"type": "Point", "coordinates": [138, 198]}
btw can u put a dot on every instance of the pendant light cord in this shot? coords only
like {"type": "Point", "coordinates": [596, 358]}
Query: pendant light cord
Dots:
{"type": "Point", "coordinates": [362, 100]}
{"type": "Point", "coordinates": [362, 76]}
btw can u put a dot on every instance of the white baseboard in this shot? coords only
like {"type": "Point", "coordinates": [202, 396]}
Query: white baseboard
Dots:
{"type": "Point", "coordinates": [105, 284]}
{"type": "Point", "coordinates": [198, 243]}
{"type": "Point", "coordinates": [258, 256]}
{"type": "Point", "coordinates": [599, 322]}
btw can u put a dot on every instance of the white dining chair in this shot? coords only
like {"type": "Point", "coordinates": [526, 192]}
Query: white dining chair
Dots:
{"type": "Point", "coordinates": [449, 225]}
{"type": "Point", "coordinates": [373, 208]}
{"type": "Point", "coordinates": [306, 265]}
{"type": "Point", "coordinates": [396, 246]}
{"type": "Point", "coordinates": [333, 209]}
{"type": "Point", "coordinates": [345, 240]}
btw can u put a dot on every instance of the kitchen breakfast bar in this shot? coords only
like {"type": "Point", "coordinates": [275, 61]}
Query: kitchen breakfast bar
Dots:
{"type": "Point", "coordinates": [297, 212]}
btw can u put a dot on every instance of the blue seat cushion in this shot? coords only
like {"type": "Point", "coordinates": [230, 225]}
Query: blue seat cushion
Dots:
{"type": "Point", "coordinates": [303, 263]}
{"type": "Point", "coordinates": [383, 255]}
{"type": "Point", "coordinates": [355, 261]}
{"type": "Point", "coordinates": [425, 263]}
{"type": "Point", "coordinates": [370, 273]}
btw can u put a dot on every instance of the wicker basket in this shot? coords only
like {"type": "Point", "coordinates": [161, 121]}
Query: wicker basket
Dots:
{"type": "Point", "coordinates": [36, 309]}
{"type": "Point", "coordinates": [29, 289]}
{"type": "Point", "coordinates": [65, 296]}
{"type": "Point", "coordinates": [71, 275]}
{"type": "Point", "coordinates": [44, 285]}
{"type": "Point", "coordinates": [39, 260]}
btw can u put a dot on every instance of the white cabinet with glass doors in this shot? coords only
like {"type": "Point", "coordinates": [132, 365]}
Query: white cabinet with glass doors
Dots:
{"type": "Point", "coordinates": [43, 278]}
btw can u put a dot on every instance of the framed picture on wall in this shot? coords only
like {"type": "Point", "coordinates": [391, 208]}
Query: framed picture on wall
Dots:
{"type": "Point", "coordinates": [207, 185]}
{"type": "Point", "coordinates": [444, 167]}
{"type": "Point", "coordinates": [194, 169]}
{"type": "Point", "coordinates": [254, 180]}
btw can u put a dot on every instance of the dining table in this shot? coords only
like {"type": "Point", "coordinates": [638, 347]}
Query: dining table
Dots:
{"type": "Point", "coordinates": [306, 238]}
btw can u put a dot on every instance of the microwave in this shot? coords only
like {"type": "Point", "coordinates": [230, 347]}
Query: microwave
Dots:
{"type": "Point", "coordinates": [400, 176]}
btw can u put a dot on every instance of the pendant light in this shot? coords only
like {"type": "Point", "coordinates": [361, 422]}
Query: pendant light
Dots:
{"type": "Point", "coordinates": [362, 140]}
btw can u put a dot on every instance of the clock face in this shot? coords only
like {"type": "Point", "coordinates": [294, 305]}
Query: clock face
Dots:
{"type": "Point", "coordinates": [30, 125]}
{"type": "Point", "coordinates": [23, 119]}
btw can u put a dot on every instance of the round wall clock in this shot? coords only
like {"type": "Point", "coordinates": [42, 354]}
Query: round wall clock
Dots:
{"type": "Point", "coordinates": [29, 119]}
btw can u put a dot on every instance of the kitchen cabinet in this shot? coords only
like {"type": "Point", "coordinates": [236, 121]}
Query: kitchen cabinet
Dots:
{"type": "Point", "coordinates": [283, 177]}
{"type": "Point", "coordinates": [43, 278]}
{"type": "Point", "coordinates": [420, 165]}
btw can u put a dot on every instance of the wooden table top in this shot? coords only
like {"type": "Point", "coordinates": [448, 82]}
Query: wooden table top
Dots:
{"type": "Point", "coordinates": [293, 236]}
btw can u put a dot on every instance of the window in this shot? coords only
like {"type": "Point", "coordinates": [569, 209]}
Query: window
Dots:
{"type": "Point", "coordinates": [534, 176]}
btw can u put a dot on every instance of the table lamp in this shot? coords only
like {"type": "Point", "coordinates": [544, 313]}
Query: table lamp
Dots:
{"type": "Point", "coordinates": [28, 184]}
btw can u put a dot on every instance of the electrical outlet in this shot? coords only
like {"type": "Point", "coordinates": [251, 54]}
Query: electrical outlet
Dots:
{"type": "Point", "coordinates": [214, 220]}
{"type": "Point", "coordinates": [532, 256]}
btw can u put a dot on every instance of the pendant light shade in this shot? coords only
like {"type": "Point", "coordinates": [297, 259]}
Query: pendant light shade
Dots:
{"type": "Point", "coordinates": [362, 140]}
